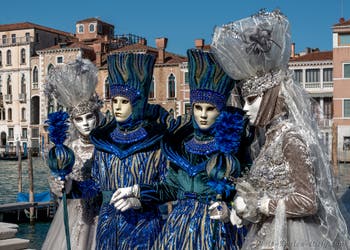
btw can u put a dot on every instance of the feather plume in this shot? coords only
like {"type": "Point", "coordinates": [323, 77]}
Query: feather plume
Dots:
{"type": "Point", "coordinates": [58, 126]}
{"type": "Point", "coordinates": [228, 131]}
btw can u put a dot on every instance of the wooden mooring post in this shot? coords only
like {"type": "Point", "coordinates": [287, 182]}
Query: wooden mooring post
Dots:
{"type": "Point", "coordinates": [19, 167]}
{"type": "Point", "coordinates": [31, 185]}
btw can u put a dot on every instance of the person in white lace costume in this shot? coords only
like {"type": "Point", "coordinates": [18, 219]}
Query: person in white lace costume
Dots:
{"type": "Point", "coordinates": [73, 85]}
{"type": "Point", "coordinates": [288, 194]}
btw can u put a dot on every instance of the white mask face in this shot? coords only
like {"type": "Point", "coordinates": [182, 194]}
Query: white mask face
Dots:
{"type": "Point", "coordinates": [252, 106]}
{"type": "Point", "coordinates": [205, 115]}
{"type": "Point", "coordinates": [122, 108]}
{"type": "Point", "coordinates": [85, 123]}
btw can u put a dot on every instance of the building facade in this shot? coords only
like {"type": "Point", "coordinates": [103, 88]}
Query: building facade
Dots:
{"type": "Point", "coordinates": [313, 70]}
{"type": "Point", "coordinates": [19, 82]}
{"type": "Point", "coordinates": [341, 95]}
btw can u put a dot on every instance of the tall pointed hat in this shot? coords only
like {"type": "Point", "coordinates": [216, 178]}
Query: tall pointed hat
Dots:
{"type": "Point", "coordinates": [208, 82]}
{"type": "Point", "coordinates": [130, 75]}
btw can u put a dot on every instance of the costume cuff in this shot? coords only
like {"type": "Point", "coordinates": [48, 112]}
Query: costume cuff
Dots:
{"type": "Point", "coordinates": [135, 190]}
{"type": "Point", "coordinates": [263, 205]}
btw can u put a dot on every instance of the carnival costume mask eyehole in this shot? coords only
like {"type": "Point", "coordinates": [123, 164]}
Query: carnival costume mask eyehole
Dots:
{"type": "Point", "coordinates": [252, 106]}
{"type": "Point", "coordinates": [205, 115]}
{"type": "Point", "coordinates": [122, 108]}
{"type": "Point", "coordinates": [85, 123]}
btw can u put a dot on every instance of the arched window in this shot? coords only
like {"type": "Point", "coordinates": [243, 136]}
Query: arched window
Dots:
{"type": "Point", "coordinates": [151, 90]}
{"type": "Point", "coordinates": [23, 84]}
{"type": "Point", "coordinates": [107, 91]}
{"type": "Point", "coordinates": [49, 68]}
{"type": "Point", "coordinates": [3, 114]}
{"type": "Point", "coordinates": [92, 27]}
{"type": "Point", "coordinates": [0, 59]}
{"type": "Point", "coordinates": [171, 86]}
{"type": "Point", "coordinates": [9, 114]}
{"type": "Point", "coordinates": [9, 87]}
{"type": "Point", "coordinates": [81, 28]}
{"type": "Point", "coordinates": [50, 105]}
{"type": "Point", "coordinates": [23, 56]}
{"type": "Point", "coordinates": [8, 57]}
{"type": "Point", "coordinates": [23, 114]}
{"type": "Point", "coordinates": [35, 75]}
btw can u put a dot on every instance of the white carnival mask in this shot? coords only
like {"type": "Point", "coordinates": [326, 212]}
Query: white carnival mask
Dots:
{"type": "Point", "coordinates": [85, 123]}
{"type": "Point", "coordinates": [205, 115]}
{"type": "Point", "coordinates": [252, 106]}
{"type": "Point", "coordinates": [122, 108]}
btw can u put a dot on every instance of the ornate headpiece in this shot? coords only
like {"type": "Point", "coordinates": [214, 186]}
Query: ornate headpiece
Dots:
{"type": "Point", "coordinates": [208, 82]}
{"type": "Point", "coordinates": [254, 47]}
{"type": "Point", "coordinates": [130, 75]}
{"type": "Point", "coordinates": [73, 85]}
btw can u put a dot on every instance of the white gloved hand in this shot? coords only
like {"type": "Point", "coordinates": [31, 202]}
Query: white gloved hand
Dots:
{"type": "Point", "coordinates": [126, 204]}
{"type": "Point", "coordinates": [246, 211]}
{"type": "Point", "coordinates": [57, 185]}
{"type": "Point", "coordinates": [219, 211]}
{"type": "Point", "coordinates": [235, 219]}
{"type": "Point", "coordinates": [126, 192]}
{"type": "Point", "coordinates": [240, 205]}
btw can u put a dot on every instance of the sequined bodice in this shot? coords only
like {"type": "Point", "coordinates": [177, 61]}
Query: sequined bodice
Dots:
{"type": "Point", "coordinates": [83, 160]}
{"type": "Point", "coordinates": [271, 172]}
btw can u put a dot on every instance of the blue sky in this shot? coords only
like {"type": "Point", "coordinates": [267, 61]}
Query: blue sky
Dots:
{"type": "Point", "coordinates": [181, 21]}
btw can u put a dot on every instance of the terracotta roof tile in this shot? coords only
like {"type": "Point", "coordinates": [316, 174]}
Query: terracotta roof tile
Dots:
{"type": "Point", "coordinates": [93, 19]}
{"type": "Point", "coordinates": [69, 46]}
{"type": "Point", "coordinates": [314, 56]}
{"type": "Point", "coordinates": [344, 23]}
{"type": "Point", "coordinates": [28, 25]}
{"type": "Point", "coordinates": [170, 58]}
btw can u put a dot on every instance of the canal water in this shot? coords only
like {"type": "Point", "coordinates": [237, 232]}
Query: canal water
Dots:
{"type": "Point", "coordinates": [8, 193]}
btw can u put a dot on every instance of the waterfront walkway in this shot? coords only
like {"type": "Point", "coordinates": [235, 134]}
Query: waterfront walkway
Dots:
{"type": "Point", "coordinates": [8, 240]}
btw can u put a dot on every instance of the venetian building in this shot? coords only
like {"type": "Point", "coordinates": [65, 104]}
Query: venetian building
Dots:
{"type": "Point", "coordinates": [19, 81]}
{"type": "Point", "coordinates": [313, 70]}
{"type": "Point", "coordinates": [341, 94]}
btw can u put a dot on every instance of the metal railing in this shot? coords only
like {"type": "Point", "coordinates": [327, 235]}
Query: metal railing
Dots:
{"type": "Point", "coordinates": [10, 41]}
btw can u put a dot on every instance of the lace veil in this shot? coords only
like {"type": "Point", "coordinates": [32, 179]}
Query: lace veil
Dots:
{"type": "Point", "coordinates": [256, 50]}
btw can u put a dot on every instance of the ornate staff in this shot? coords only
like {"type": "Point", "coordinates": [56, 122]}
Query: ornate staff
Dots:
{"type": "Point", "coordinates": [61, 158]}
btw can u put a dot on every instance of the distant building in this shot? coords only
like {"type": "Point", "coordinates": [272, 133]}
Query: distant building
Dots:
{"type": "Point", "coordinates": [19, 81]}
{"type": "Point", "coordinates": [313, 70]}
{"type": "Point", "coordinates": [341, 94]}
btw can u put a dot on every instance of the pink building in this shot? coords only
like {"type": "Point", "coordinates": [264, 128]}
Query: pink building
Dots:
{"type": "Point", "coordinates": [341, 94]}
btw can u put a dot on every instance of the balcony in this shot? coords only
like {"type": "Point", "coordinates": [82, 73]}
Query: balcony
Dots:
{"type": "Point", "coordinates": [8, 98]}
{"type": "Point", "coordinates": [22, 97]}
{"type": "Point", "coordinates": [325, 123]}
{"type": "Point", "coordinates": [5, 42]}
{"type": "Point", "coordinates": [35, 85]}
{"type": "Point", "coordinates": [312, 85]}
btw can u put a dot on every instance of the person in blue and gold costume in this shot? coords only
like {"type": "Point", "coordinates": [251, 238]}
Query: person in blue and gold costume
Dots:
{"type": "Point", "coordinates": [127, 153]}
{"type": "Point", "coordinates": [202, 166]}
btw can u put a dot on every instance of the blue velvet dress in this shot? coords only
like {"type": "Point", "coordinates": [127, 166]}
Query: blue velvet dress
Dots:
{"type": "Point", "coordinates": [197, 169]}
{"type": "Point", "coordinates": [123, 159]}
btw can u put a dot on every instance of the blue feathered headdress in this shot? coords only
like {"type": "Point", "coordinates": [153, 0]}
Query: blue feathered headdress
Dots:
{"type": "Point", "coordinates": [61, 158]}
{"type": "Point", "coordinates": [208, 82]}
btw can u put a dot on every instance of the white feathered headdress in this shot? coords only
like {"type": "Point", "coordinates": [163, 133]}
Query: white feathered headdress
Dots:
{"type": "Point", "coordinates": [73, 85]}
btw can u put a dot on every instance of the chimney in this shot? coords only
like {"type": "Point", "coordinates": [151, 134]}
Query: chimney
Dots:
{"type": "Point", "coordinates": [161, 46]}
{"type": "Point", "coordinates": [98, 51]}
{"type": "Point", "coordinates": [342, 20]}
{"type": "Point", "coordinates": [143, 41]}
{"type": "Point", "coordinates": [199, 43]}
{"type": "Point", "coordinates": [307, 50]}
{"type": "Point", "coordinates": [292, 50]}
